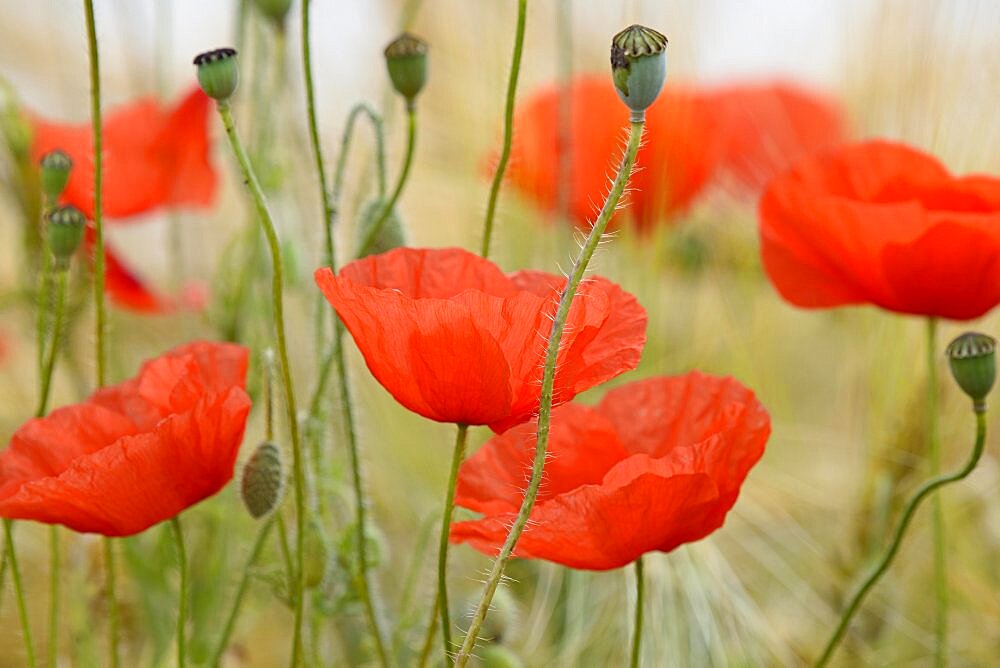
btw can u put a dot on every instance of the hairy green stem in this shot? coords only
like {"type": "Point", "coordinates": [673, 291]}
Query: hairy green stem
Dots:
{"type": "Point", "coordinates": [111, 599]}
{"type": "Point", "coordinates": [548, 383]}
{"type": "Point", "coordinates": [55, 566]}
{"type": "Point", "coordinates": [441, 601]}
{"type": "Point", "coordinates": [277, 296]}
{"type": "Point", "coordinates": [897, 537]}
{"type": "Point", "coordinates": [508, 126]}
{"type": "Point", "coordinates": [387, 207]}
{"type": "Point", "coordinates": [640, 586]}
{"type": "Point", "coordinates": [22, 607]}
{"type": "Point", "coordinates": [937, 512]}
{"type": "Point", "coordinates": [241, 590]}
{"type": "Point", "coordinates": [54, 343]}
{"type": "Point", "coordinates": [95, 119]}
{"type": "Point", "coordinates": [175, 525]}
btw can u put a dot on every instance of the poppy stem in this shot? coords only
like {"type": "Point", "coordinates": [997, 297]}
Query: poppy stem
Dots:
{"type": "Point", "coordinates": [508, 126]}
{"type": "Point", "coordinates": [277, 296]}
{"type": "Point", "coordinates": [175, 525]}
{"type": "Point", "coordinates": [937, 518]}
{"type": "Point", "coordinates": [640, 586]}
{"type": "Point", "coordinates": [54, 343]}
{"type": "Point", "coordinates": [22, 608]}
{"type": "Point", "coordinates": [241, 590]}
{"type": "Point", "coordinates": [95, 119]}
{"type": "Point", "coordinates": [425, 650]}
{"type": "Point", "coordinates": [897, 538]}
{"type": "Point", "coordinates": [441, 601]}
{"type": "Point", "coordinates": [111, 599]}
{"type": "Point", "coordinates": [548, 383]}
{"type": "Point", "coordinates": [387, 208]}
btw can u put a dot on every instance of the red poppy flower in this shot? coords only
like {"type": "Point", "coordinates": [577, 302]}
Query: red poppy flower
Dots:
{"type": "Point", "coordinates": [658, 463]}
{"type": "Point", "coordinates": [881, 223]}
{"type": "Point", "coordinates": [682, 148]}
{"type": "Point", "coordinates": [133, 454]}
{"type": "Point", "coordinates": [454, 339]}
{"type": "Point", "coordinates": [153, 157]}
{"type": "Point", "coordinates": [770, 127]}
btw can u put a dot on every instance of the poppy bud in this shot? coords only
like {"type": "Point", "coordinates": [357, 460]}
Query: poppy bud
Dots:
{"type": "Point", "coordinates": [972, 357]}
{"type": "Point", "coordinates": [406, 59]}
{"type": "Point", "coordinates": [498, 656]}
{"type": "Point", "coordinates": [389, 237]}
{"type": "Point", "coordinates": [638, 66]}
{"type": "Point", "coordinates": [263, 480]}
{"type": "Point", "coordinates": [56, 166]}
{"type": "Point", "coordinates": [218, 73]}
{"type": "Point", "coordinates": [65, 232]}
{"type": "Point", "coordinates": [276, 10]}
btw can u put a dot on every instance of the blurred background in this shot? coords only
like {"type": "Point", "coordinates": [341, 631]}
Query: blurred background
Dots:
{"type": "Point", "coordinates": [843, 388]}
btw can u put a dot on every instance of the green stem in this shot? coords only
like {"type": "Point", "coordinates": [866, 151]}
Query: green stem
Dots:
{"type": "Point", "coordinates": [937, 516]}
{"type": "Point", "coordinates": [387, 208]}
{"type": "Point", "coordinates": [54, 343]}
{"type": "Point", "coordinates": [508, 126]}
{"type": "Point", "coordinates": [95, 119]}
{"type": "Point", "coordinates": [911, 507]}
{"type": "Point", "coordinates": [640, 586]}
{"type": "Point", "coordinates": [277, 287]}
{"type": "Point", "coordinates": [441, 601]}
{"type": "Point", "coordinates": [54, 568]}
{"type": "Point", "coordinates": [44, 300]}
{"type": "Point", "coordinates": [175, 525]}
{"type": "Point", "coordinates": [548, 382]}
{"type": "Point", "coordinates": [22, 608]}
{"type": "Point", "coordinates": [111, 600]}
{"type": "Point", "coordinates": [425, 649]}
{"type": "Point", "coordinates": [227, 630]}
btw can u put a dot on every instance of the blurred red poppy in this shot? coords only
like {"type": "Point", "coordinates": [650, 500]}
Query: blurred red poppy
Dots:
{"type": "Point", "coordinates": [885, 224]}
{"type": "Point", "coordinates": [155, 157]}
{"type": "Point", "coordinates": [133, 454]}
{"type": "Point", "coordinates": [769, 127]}
{"type": "Point", "coordinates": [658, 463]}
{"type": "Point", "coordinates": [752, 132]}
{"type": "Point", "coordinates": [454, 339]}
{"type": "Point", "coordinates": [682, 147]}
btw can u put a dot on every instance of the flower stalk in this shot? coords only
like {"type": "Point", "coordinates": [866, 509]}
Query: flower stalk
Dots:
{"type": "Point", "coordinates": [441, 600]}
{"type": "Point", "coordinates": [508, 127]}
{"type": "Point", "coordinates": [640, 587]}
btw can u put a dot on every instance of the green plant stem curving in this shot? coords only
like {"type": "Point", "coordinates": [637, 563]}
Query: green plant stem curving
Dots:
{"type": "Point", "coordinates": [938, 536]}
{"type": "Point", "coordinates": [897, 538]}
{"type": "Point", "coordinates": [175, 525]}
{"type": "Point", "coordinates": [336, 355]}
{"type": "Point", "coordinates": [508, 126]}
{"type": "Point", "coordinates": [441, 600]}
{"type": "Point", "coordinates": [548, 382]}
{"type": "Point", "coordinates": [277, 287]}
{"type": "Point", "coordinates": [404, 173]}
{"type": "Point", "coordinates": [640, 587]}
{"type": "Point", "coordinates": [22, 608]}
{"type": "Point", "coordinates": [241, 590]}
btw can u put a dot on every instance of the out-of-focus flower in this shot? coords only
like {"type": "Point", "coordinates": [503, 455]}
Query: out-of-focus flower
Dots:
{"type": "Point", "coordinates": [454, 339]}
{"type": "Point", "coordinates": [693, 137]}
{"type": "Point", "coordinates": [658, 463]}
{"type": "Point", "coordinates": [133, 454]}
{"type": "Point", "coordinates": [885, 224]}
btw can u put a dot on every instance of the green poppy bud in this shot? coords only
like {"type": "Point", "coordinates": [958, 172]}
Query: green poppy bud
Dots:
{"type": "Point", "coordinates": [65, 232]}
{"type": "Point", "coordinates": [390, 236]}
{"type": "Point", "coordinates": [55, 169]}
{"type": "Point", "coordinates": [218, 73]}
{"type": "Point", "coordinates": [972, 357]}
{"type": "Point", "coordinates": [638, 67]}
{"type": "Point", "coordinates": [263, 480]}
{"type": "Point", "coordinates": [276, 10]}
{"type": "Point", "coordinates": [406, 59]}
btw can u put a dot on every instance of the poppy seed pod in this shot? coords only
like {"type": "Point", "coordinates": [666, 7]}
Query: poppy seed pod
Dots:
{"type": "Point", "coordinates": [638, 67]}
{"type": "Point", "coordinates": [406, 60]}
{"type": "Point", "coordinates": [972, 357]}
{"type": "Point", "coordinates": [389, 237]}
{"type": "Point", "coordinates": [55, 169]}
{"type": "Point", "coordinates": [263, 480]}
{"type": "Point", "coordinates": [218, 73]}
{"type": "Point", "coordinates": [65, 232]}
{"type": "Point", "coordinates": [276, 10]}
